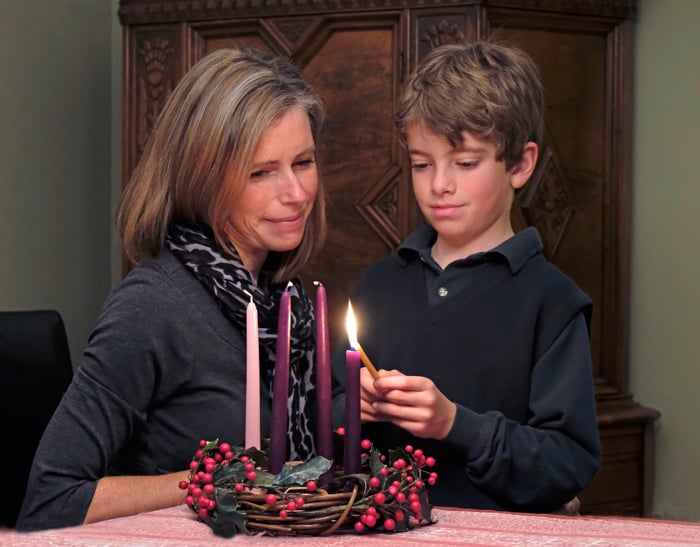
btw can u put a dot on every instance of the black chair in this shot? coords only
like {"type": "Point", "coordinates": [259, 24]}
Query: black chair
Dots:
{"type": "Point", "coordinates": [35, 370]}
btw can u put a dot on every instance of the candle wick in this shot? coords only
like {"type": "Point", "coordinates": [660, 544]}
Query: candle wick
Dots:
{"type": "Point", "coordinates": [251, 296]}
{"type": "Point", "coordinates": [318, 284]}
{"type": "Point", "coordinates": [289, 284]}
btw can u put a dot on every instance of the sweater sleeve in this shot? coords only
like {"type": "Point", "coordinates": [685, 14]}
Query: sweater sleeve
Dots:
{"type": "Point", "coordinates": [540, 465]}
{"type": "Point", "coordinates": [106, 403]}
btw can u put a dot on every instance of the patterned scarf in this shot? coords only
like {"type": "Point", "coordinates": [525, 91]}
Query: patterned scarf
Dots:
{"type": "Point", "coordinates": [224, 275]}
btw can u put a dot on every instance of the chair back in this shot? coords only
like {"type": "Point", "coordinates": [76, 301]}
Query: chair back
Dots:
{"type": "Point", "coordinates": [35, 370]}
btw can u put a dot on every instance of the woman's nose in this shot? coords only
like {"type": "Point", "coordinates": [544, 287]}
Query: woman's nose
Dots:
{"type": "Point", "coordinates": [292, 188]}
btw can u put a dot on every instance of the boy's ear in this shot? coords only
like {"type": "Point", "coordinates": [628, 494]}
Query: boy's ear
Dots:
{"type": "Point", "coordinates": [522, 171]}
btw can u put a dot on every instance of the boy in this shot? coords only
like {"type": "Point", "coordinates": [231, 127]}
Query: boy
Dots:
{"type": "Point", "coordinates": [485, 343]}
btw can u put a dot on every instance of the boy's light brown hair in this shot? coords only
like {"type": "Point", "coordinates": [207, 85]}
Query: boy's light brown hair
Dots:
{"type": "Point", "coordinates": [491, 91]}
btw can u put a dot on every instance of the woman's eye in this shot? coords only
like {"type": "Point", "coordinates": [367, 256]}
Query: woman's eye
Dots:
{"type": "Point", "coordinates": [255, 175]}
{"type": "Point", "coordinates": [305, 163]}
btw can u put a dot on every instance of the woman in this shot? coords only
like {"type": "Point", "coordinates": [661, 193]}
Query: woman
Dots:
{"type": "Point", "coordinates": [224, 202]}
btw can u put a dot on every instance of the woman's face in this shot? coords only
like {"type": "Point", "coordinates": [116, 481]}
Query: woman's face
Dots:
{"type": "Point", "coordinates": [279, 193]}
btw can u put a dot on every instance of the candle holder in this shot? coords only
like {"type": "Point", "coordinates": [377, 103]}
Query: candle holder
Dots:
{"type": "Point", "coordinates": [231, 491]}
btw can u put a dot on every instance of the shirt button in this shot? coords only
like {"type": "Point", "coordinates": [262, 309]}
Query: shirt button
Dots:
{"type": "Point", "coordinates": [442, 291]}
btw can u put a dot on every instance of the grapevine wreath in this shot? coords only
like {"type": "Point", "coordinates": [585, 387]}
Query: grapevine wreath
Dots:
{"type": "Point", "coordinates": [231, 491]}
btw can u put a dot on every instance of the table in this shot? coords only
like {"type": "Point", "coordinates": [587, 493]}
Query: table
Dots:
{"type": "Point", "coordinates": [178, 526]}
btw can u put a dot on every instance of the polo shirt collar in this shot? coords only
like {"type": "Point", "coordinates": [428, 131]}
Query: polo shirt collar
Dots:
{"type": "Point", "coordinates": [516, 250]}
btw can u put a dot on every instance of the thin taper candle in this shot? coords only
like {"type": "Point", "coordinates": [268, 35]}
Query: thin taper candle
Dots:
{"type": "Point", "coordinates": [280, 391]}
{"type": "Point", "coordinates": [252, 393]}
{"type": "Point", "coordinates": [351, 445]}
{"type": "Point", "coordinates": [324, 432]}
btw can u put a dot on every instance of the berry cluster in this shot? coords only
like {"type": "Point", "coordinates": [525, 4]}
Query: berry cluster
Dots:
{"type": "Point", "coordinates": [231, 490]}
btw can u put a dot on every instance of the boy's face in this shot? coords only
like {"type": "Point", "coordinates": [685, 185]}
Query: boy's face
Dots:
{"type": "Point", "coordinates": [463, 192]}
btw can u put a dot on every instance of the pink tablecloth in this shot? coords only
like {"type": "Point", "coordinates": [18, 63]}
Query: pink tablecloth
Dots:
{"type": "Point", "coordinates": [178, 526]}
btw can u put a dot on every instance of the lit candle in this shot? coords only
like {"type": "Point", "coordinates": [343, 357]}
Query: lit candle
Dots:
{"type": "Point", "coordinates": [324, 432]}
{"type": "Point", "coordinates": [354, 344]}
{"type": "Point", "coordinates": [280, 391]}
{"type": "Point", "coordinates": [351, 452]}
{"type": "Point", "coordinates": [252, 389]}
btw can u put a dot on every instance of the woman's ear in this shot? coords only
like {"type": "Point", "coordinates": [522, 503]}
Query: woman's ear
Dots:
{"type": "Point", "coordinates": [522, 171]}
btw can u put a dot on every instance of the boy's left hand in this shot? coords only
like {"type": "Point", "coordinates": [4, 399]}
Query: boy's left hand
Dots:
{"type": "Point", "coordinates": [415, 404]}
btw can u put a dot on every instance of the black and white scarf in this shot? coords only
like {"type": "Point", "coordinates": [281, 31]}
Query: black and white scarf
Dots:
{"type": "Point", "coordinates": [225, 276]}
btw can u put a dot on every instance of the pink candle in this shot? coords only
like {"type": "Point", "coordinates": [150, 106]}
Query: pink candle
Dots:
{"type": "Point", "coordinates": [351, 454]}
{"type": "Point", "coordinates": [252, 389]}
{"type": "Point", "coordinates": [324, 432]}
{"type": "Point", "coordinates": [280, 391]}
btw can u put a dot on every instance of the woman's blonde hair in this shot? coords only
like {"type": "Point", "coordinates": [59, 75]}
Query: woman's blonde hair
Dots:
{"type": "Point", "coordinates": [198, 158]}
{"type": "Point", "coordinates": [489, 90]}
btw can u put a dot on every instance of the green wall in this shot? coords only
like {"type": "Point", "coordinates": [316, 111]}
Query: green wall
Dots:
{"type": "Point", "coordinates": [665, 300]}
{"type": "Point", "coordinates": [55, 170]}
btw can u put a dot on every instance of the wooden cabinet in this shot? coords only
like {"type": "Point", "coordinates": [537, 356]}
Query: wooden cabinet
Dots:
{"type": "Point", "coordinates": [357, 53]}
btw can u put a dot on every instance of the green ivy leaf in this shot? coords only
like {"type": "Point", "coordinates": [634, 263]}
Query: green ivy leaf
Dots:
{"type": "Point", "coordinates": [226, 521]}
{"type": "Point", "coordinates": [302, 473]}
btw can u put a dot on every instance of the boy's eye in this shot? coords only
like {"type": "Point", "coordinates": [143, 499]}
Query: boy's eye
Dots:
{"type": "Point", "coordinates": [468, 164]}
{"type": "Point", "coordinates": [418, 165]}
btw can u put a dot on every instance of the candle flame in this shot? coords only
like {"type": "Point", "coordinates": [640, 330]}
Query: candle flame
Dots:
{"type": "Point", "coordinates": [351, 326]}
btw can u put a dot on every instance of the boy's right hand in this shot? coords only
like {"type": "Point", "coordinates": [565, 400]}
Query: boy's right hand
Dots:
{"type": "Point", "coordinates": [370, 394]}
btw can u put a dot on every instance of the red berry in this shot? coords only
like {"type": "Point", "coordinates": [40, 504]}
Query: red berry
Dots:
{"type": "Point", "coordinates": [218, 457]}
{"type": "Point", "coordinates": [400, 497]}
{"type": "Point", "coordinates": [366, 444]}
{"type": "Point", "coordinates": [270, 499]}
{"type": "Point", "coordinates": [371, 511]}
{"type": "Point", "coordinates": [299, 502]}
{"type": "Point", "coordinates": [389, 524]}
{"type": "Point", "coordinates": [418, 453]}
{"type": "Point", "coordinates": [199, 453]}
{"type": "Point", "coordinates": [252, 475]}
{"type": "Point", "coordinates": [383, 471]}
{"type": "Point", "coordinates": [341, 431]}
{"type": "Point", "coordinates": [207, 478]}
{"type": "Point", "coordinates": [202, 443]}
{"type": "Point", "coordinates": [419, 483]}
{"type": "Point", "coordinates": [359, 527]}
{"type": "Point", "coordinates": [212, 505]}
{"type": "Point", "coordinates": [283, 513]}
{"type": "Point", "coordinates": [393, 490]}
{"type": "Point", "coordinates": [379, 498]}
{"type": "Point", "coordinates": [431, 481]}
{"type": "Point", "coordinates": [429, 461]}
{"type": "Point", "coordinates": [239, 487]}
{"type": "Point", "coordinates": [371, 521]}
{"type": "Point", "coordinates": [197, 492]}
{"type": "Point", "coordinates": [224, 447]}
{"type": "Point", "coordinates": [415, 506]}
{"type": "Point", "coordinates": [209, 489]}
{"type": "Point", "coordinates": [183, 485]}
{"type": "Point", "coordinates": [194, 465]}
{"type": "Point", "coordinates": [374, 482]}
{"type": "Point", "coordinates": [311, 486]}
{"type": "Point", "coordinates": [408, 448]}
{"type": "Point", "coordinates": [203, 513]}
{"type": "Point", "coordinates": [189, 500]}
{"type": "Point", "coordinates": [400, 515]}
{"type": "Point", "coordinates": [228, 455]}
{"type": "Point", "coordinates": [244, 459]}
{"type": "Point", "coordinates": [291, 505]}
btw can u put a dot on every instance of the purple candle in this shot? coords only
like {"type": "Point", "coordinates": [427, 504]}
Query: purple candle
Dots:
{"type": "Point", "coordinates": [324, 432]}
{"type": "Point", "coordinates": [280, 390]}
{"type": "Point", "coordinates": [351, 454]}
